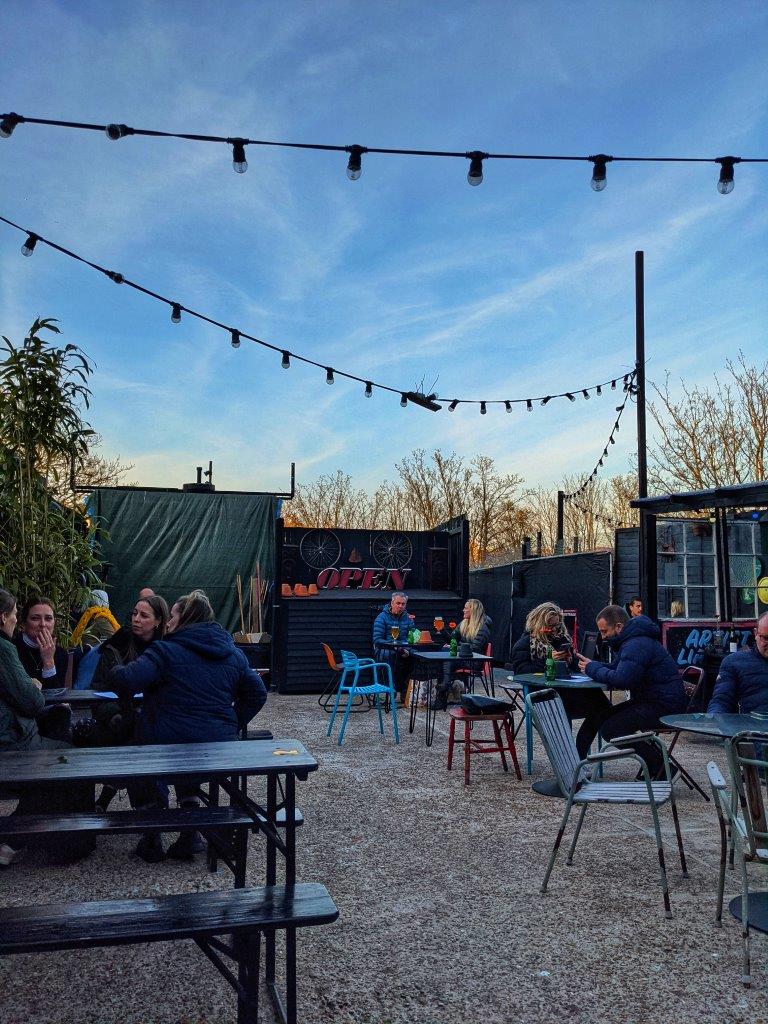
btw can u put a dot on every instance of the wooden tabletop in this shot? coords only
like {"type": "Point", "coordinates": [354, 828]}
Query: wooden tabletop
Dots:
{"type": "Point", "coordinates": [160, 761]}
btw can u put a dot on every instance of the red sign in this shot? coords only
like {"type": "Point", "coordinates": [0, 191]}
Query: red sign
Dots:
{"type": "Point", "coordinates": [362, 579]}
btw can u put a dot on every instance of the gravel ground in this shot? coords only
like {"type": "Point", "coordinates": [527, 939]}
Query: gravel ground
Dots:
{"type": "Point", "coordinates": [441, 917]}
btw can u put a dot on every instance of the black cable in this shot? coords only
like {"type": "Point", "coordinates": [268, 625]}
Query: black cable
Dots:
{"type": "Point", "coordinates": [177, 308]}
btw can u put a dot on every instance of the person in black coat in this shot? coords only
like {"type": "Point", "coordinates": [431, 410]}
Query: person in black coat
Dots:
{"type": "Point", "coordinates": [198, 687]}
{"type": "Point", "coordinates": [545, 629]}
{"type": "Point", "coordinates": [44, 659]}
{"type": "Point", "coordinates": [742, 681]}
{"type": "Point", "coordinates": [646, 670]}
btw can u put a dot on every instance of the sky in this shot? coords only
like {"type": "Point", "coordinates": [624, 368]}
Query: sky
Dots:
{"type": "Point", "coordinates": [519, 287]}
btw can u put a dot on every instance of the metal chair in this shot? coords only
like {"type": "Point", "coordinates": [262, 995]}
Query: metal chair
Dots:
{"type": "Point", "coordinates": [692, 677]}
{"type": "Point", "coordinates": [743, 813]}
{"type": "Point", "coordinates": [354, 665]}
{"type": "Point", "coordinates": [338, 674]}
{"type": "Point", "coordinates": [575, 778]}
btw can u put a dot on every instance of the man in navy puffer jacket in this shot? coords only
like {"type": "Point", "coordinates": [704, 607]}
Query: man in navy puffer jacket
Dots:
{"type": "Point", "coordinates": [646, 670]}
{"type": "Point", "coordinates": [742, 682]}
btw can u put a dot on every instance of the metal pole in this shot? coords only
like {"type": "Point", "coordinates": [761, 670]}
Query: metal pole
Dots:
{"type": "Point", "coordinates": [560, 522]}
{"type": "Point", "coordinates": [642, 459]}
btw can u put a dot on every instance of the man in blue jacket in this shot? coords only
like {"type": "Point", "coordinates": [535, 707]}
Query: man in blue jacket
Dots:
{"type": "Point", "coordinates": [742, 682]}
{"type": "Point", "coordinates": [393, 614]}
{"type": "Point", "coordinates": [646, 670]}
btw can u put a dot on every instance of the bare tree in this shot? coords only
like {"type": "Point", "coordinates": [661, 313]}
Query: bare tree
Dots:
{"type": "Point", "coordinates": [91, 470]}
{"type": "Point", "coordinates": [712, 437]}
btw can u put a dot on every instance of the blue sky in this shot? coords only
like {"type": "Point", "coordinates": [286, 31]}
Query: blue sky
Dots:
{"type": "Point", "coordinates": [521, 286]}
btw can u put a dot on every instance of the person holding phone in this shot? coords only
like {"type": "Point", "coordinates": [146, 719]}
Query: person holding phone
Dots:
{"type": "Point", "coordinates": [545, 629]}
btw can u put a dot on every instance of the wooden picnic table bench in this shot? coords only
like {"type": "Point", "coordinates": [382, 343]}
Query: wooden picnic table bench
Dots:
{"type": "Point", "coordinates": [242, 914]}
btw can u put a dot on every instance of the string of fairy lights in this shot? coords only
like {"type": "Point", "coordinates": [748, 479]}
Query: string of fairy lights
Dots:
{"type": "Point", "coordinates": [630, 388]}
{"type": "Point", "coordinates": [477, 158]}
{"type": "Point", "coordinates": [237, 336]}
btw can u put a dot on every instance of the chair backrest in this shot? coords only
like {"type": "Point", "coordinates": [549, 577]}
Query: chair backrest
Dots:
{"type": "Point", "coordinates": [488, 665]}
{"type": "Point", "coordinates": [334, 667]}
{"type": "Point", "coordinates": [348, 659]}
{"type": "Point", "coordinates": [553, 726]}
{"type": "Point", "coordinates": [589, 646]}
{"type": "Point", "coordinates": [747, 760]}
{"type": "Point", "coordinates": [693, 677]}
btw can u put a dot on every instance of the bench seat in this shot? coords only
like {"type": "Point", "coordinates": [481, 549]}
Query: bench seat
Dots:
{"type": "Point", "coordinates": [195, 915]}
{"type": "Point", "coordinates": [175, 819]}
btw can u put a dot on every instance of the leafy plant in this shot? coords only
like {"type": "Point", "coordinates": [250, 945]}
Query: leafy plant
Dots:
{"type": "Point", "coordinates": [46, 546]}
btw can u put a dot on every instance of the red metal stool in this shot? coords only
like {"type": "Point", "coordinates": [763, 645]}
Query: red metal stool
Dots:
{"type": "Point", "coordinates": [500, 720]}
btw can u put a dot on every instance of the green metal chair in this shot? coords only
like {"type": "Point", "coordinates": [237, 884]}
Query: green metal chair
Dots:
{"type": "Point", "coordinates": [576, 779]}
{"type": "Point", "coordinates": [742, 812]}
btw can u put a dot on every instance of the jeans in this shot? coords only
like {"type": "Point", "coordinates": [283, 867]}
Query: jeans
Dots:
{"type": "Point", "coordinates": [621, 720]}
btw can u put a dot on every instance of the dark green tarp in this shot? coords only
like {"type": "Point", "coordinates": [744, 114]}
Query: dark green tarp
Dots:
{"type": "Point", "coordinates": [175, 542]}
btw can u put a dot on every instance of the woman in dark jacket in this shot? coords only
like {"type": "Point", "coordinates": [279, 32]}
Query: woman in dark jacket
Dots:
{"type": "Point", "coordinates": [545, 629]}
{"type": "Point", "coordinates": [198, 687]}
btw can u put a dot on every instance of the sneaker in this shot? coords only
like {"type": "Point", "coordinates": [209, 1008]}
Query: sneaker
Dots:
{"type": "Point", "coordinates": [186, 846]}
{"type": "Point", "coordinates": [7, 854]}
{"type": "Point", "coordinates": [150, 848]}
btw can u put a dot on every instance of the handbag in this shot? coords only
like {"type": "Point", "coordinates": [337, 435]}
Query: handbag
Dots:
{"type": "Point", "coordinates": [476, 704]}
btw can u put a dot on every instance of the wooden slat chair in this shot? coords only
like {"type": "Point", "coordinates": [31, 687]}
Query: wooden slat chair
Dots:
{"type": "Point", "coordinates": [744, 813]}
{"type": "Point", "coordinates": [576, 779]}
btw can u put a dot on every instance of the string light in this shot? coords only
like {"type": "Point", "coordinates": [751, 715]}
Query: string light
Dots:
{"type": "Point", "coordinates": [403, 400]}
{"type": "Point", "coordinates": [586, 393]}
{"type": "Point", "coordinates": [239, 162]}
{"type": "Point", "coordinates": [430, 402]}
{"type": "Point", "coordinates": [599, 389]}
{"type": "Point", "coordinates": [599, 161]}
{"type": "Point", "coordinates": [483, 409]}
{"type": "Point", "coordinates": [29, 246]}
{"type": "Point", "coordinates": [599, 172]}
{"type": "Point", "coordinates": [725, 181]}
{"type": "Point", "coordinates": [475, 172]}
{"type": "Point", "coordinates": [355, 165]}
{"type": "Point", "coordinates": [570, 397]}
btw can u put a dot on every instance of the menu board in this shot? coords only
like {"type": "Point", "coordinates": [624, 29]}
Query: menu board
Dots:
{"type": "Point", "coordinates": [686, 641]}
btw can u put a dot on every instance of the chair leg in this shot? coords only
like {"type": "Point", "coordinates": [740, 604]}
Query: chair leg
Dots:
{"type": "Point", "coordinates": [721, 871]}
{"type": "Point", "coordinates": [467, 750]}
{"type": "Point", "coordinates": [347, 709]}
{"type": "Point", "coordinates": [579, 823]}
{"type": "Point", "coordinates": [558, 840]}
{"type": "Point", "coordinates": [676, 819]}
{"type": "Point", "coordinates": [511, 744]}
{"type": "Point", "coordinates": [329, 730]}
{"type": "Point", "coordinates": [381, 716]}
{"type": "Point", "coordinates": [451, 741]}
{"type": "Point", "coordinates": [660, 849]}
{"type": "Point", "coordinates": [499, 743]}
{"type": "Point", "coordinates": [746, 970]}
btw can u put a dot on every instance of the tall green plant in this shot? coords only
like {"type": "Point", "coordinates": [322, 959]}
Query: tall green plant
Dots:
{"type": "Point", "coordinates": [46, 547]}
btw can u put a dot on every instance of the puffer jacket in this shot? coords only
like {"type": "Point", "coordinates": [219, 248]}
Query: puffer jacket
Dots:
{"type": "Point", "coordinates": [742, 684]}
{"type": "Point", "coordinates": [20, 700]}
{"type": "Point", "coordinates": [643, 667]}
{"type": "Point", "coordinates": [384, 622]}
{"type": "Point", "coordinates": [197, 686]}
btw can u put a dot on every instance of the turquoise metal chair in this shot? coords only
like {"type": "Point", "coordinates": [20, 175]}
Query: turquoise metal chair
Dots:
{"type": "Point", "coordinates": [352, 666]}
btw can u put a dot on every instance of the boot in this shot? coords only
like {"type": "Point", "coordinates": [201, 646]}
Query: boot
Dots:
{"type": "Point", "coordinates": [150, 848]}
{"type": "Point", "coordinates": [188, 843]}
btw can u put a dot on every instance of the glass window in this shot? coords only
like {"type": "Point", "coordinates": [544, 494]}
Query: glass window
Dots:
{"type": "Point", "coordinates": [670, 570]}
{"type": "Point", "coordinates": [669, 537]}
{"type": "Point", "coordinates": [702, 602]}
{"type": "Point", "coordinates": [699, 536]}
{"type": "Point", "coordinates": [685, 567]}
{"type": "Point", "coordinates": [672, 603]}
{"type": "Point", "coordinates": [700, 570]}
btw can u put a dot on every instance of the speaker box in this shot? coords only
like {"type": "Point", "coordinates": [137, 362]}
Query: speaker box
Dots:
{"type": "Point", "coordinates": [438, 569]}
{"type": "Point", "coordinates": [290, 556]}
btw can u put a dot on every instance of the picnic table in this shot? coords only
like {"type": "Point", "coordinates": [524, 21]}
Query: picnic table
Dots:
{"type": "Point", "coordinates": [222, 764]}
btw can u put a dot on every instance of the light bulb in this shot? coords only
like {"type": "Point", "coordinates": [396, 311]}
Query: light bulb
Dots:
{"type": "Point", "coordinates": [328, 375]}
{"type": "Point", "coordinates": [599, 173]}
{"type": "Point", "coordinates": [403, 400]}
{"type": "Point", "coordinates": [570, 397]}
{"type": "Point", "coordinates": [286, 360]}
{"type": "Point", "coordinates": [725, 181]}
{"type": "Point", "coordinates": [547, 399]}
{"type": "Point", "coordinates": [483, 409]}
{"type": "Point", "coordinates": [235, 338]}
{"type": "Point", "coordinates": [7, 124]}
{"type": "Point", "coordinates": [613, 385]}
{"type": "Point", "coordinates": [599, 389]}
{"type": "Point", "coordinates": [175, 313]}
{"type": "Point", "coordinates": [368, 389]}
{"type": "Point", "coordinates": [529, 405]}
{"type": "Point", "coordinates": [355, 164]}
{"type": "Point", "coordinates": [508, 406]}
{"type": "Point", "coordinates": [29, 246]}
{"type": "Point", "coordinates": [585, 393]}
{"type": "Point", "coordinates": [475, 172]}
{"type": "Point", "coordinates": [452, 406]}
{"type": "Point", "coordinates": [239, 162]}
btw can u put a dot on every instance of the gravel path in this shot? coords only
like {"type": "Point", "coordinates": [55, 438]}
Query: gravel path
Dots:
{"type": "Point", "coordinates": [441, 917]}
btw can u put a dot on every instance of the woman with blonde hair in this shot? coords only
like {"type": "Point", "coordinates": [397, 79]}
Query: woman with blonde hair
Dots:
{"type": "Point", "coordinates": [474, 627]}
{"type": "Point", "coordinates": [545, 629]}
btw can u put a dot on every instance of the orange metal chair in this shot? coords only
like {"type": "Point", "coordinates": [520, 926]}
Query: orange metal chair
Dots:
{"type": "Point", "coordinates": [326, 698]}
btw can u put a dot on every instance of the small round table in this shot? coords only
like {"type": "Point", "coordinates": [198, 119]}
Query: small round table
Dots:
{"type": "Point", "coordinates": [721, 725]}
